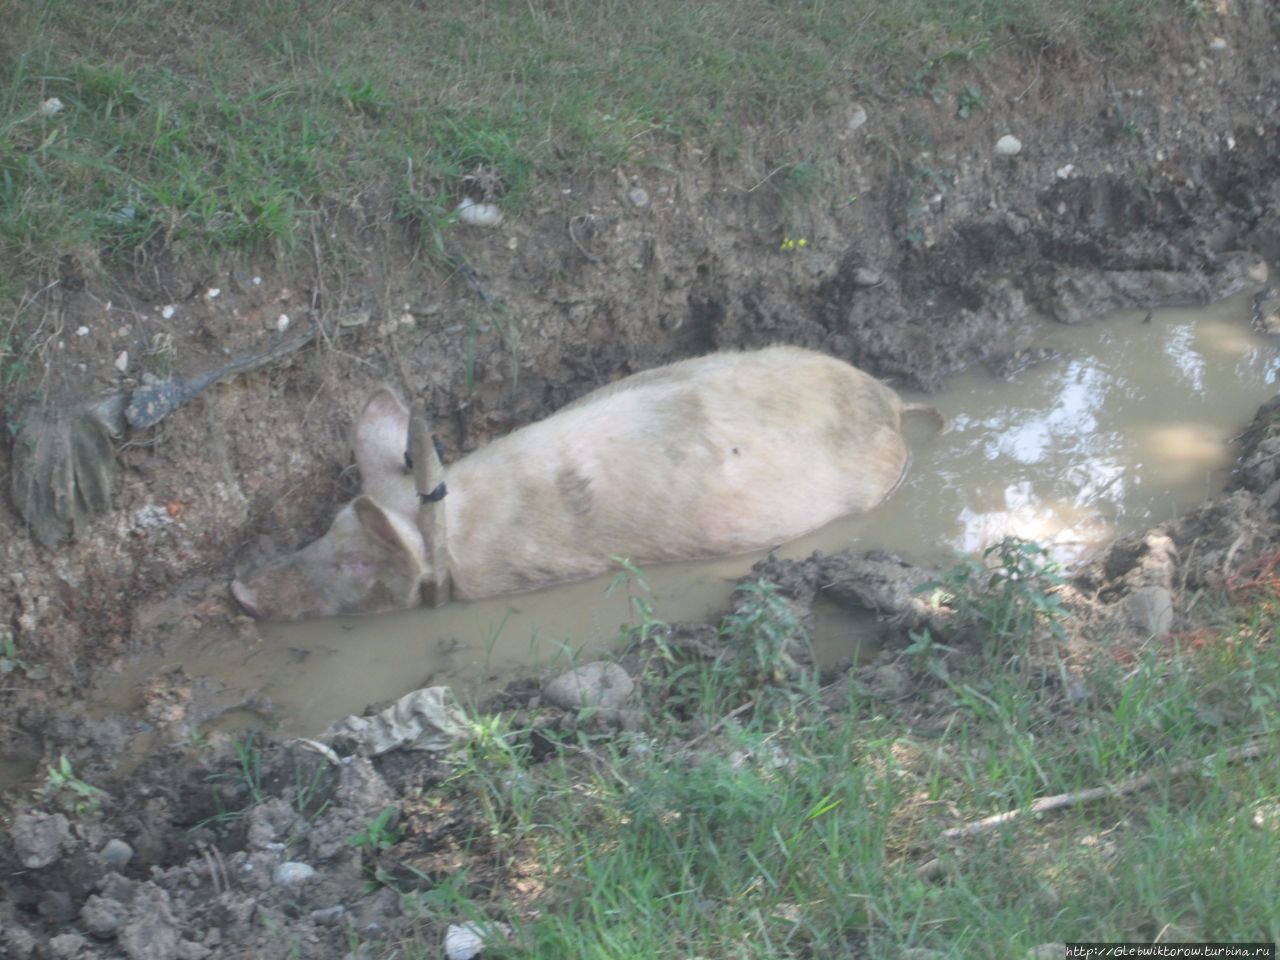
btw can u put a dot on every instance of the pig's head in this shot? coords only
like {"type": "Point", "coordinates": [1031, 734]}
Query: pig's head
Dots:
{"type": "Point", "coordinates": [371, 560]}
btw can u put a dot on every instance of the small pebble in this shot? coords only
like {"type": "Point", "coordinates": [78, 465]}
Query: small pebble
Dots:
{"type": "Point", "coordinates": [213, 293]}
{"type": "Point", "coordinates": [168, 311]}
{"type": "Point", "coordinates": [291, 872]}
{"type": "Point", "coordinates": [638, 196]}
{"type": "Point", "coordinates": [478, 214]}
{"type": "Point", "coordinates": [82, 331]}
{"type": "Point", "coordinates": [117, 853]}
{"type": "Point", "coordinates": [282, 322]}
{"type": "Point", "coordinates": [122, 361]}
{"type": "Point", "coordinates": [50, 107]}
{"type": "Point", "coordinates": [1008, 145]}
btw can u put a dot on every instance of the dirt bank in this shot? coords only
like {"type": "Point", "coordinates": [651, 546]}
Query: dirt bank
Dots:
{"type": "Point", "coordinates": [924, 251]}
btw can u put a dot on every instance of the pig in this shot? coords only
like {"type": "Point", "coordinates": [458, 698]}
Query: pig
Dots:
{"type": "Point", "coordinates": [722, 454]}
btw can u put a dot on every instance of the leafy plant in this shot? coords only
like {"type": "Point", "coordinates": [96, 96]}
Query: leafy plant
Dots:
{"type": "Point", "coordinates": [10, 661]}
{"type": "Point", "coordinates": [640, 598]}
{"type": "Point", "coordinates": [72, 794]}
{"type": "Point", "coordinates": [763, 626]}
{"type": "Point", "coordinates": [1006, 593]}
{"type": "Point", "coordinates": [379, 835]}
{"type": "Point", "coordinates": [970, 101]}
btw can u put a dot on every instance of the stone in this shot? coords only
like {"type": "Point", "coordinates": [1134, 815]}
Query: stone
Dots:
{"type": "Point", "coordinates": [116, 853]}
{"type": "Point", "coordinates": [1008, 146]}
{"type": "Point", "coordinates": [866, 277]}
{"type": "Point", "coordinates": [1150, 609]}
{"type": "Point", "coordinates": [599, 685]}
{"type": "Point", "coordinates": [291, 872]}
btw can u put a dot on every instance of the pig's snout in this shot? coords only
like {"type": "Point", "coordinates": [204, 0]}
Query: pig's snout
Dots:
{"type": "Point", "coordinates": [247, 597]}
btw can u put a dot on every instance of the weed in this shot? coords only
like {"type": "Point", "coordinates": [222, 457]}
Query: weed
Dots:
{"type": "Point", "coordinates": [650, 629]}
{"type": "Point", "coordinates": [969, 102]}
{"type": "Point", "coordinates": [71, 793]}
{"type": "Point", "coordinates": [10, 661]}
{"type": "Point", "coordinates": [245, 785]}
{"type": "Point", "coordinates": [379, 834]}
{"type": "Point", "coordinates": [1007, 593]}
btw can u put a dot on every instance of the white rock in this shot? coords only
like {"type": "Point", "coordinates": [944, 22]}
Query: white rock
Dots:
{"type": "Point", "coordinates": [257, 281]}
{"type": "Point", "coordinates": [478, 214]}
{"type": "Point", "coordinates": [291, 872]}
{"type": "Point", "coordinates": [50, 107]}
{"type": "Point", "coordinates": [1150, 609]}
{"type": "Point", "coordinates": [1218, 43]}
{"type": "Point", "coordinates": [122, 361]}
{"type": "Point", "coordinates": [282, 322]}
{"type": "Point", "coordinates": [1008, 145]}
{"type": "Point", "coordinates": [465, 941]}
{"type": "Point", "coordinates": [82, 331]}
{"type": "Point", "coordinates": [638, 196]}
{"type": "Point", "coordinates": [1065, 173]}
{"type": "Point", "coordinates": [600, 684]}
{"type": "Point", "coordinates": [213, 293]}
{"type": "Point", "coordinates": [168, 311]}
{"type": "Point", "coordinates": [857, 117]}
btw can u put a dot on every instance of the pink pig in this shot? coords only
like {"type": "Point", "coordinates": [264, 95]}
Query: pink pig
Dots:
{"type": "Point", "coordinates": [721, 454]}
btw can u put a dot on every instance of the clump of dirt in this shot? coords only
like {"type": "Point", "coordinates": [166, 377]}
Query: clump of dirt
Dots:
{"type": "Point", "coordinates": [926, 252]}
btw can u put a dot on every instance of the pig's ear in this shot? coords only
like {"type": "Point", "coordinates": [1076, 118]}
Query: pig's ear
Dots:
{"type": "Point", "coordinates": [401, 539]}
{"type": "Point", "coordinates": [380, 437]}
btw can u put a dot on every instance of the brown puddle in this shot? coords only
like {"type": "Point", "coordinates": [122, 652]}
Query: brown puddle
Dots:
{"type": "Point", "coordinates": [1129, 426]}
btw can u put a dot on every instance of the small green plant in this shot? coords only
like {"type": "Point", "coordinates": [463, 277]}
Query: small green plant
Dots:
{"type": "Point", "coordinates": [764, 625]}
{"type": "Point", "coordinates": [789, 243]}
{"type": "Point", "coordinates": [247, 783]}
{"type": "Point", "coordinates": [1006, 593]}
{"type": "Point", "coordinates": [379, 835]}
{"type": "Point", "coordinates": [640, 599]}
{"type": "Point", "coordinates": [10, 661]}
{"type": "Point", "coordinates": [71, 793]}
{"type": "Point", "coordinates": [969, 102]}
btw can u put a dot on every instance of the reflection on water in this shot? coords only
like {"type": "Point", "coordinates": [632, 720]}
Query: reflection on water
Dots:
{"type": "Point", "coordinates": [1128, 427]}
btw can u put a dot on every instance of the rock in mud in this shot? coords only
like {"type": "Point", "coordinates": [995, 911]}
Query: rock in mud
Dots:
{"type": "Point", "coordinates": [1151, 611]}
{"type": "Point", "coordinates": [600, 685]}
{"type": "Point", "coordinates": [467, 940]}
{"type": "Point", "coordinates": [40, 838]}
{"type": "Point", "coordinates": [292, 872]}
{"type": "Point", "coordinates": [1008, 146]}
{"type": "Point", "coordinates": [866, 277]}
{"type": "Point", "coordinates": [116, 854]}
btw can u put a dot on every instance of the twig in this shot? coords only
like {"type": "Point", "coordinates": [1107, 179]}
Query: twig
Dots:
{"type": "Point", "coordinates": [583, 250]}
{"type": "Point", "coordinates": [767, 177]}
{"type": "Point", "coordinates": [720, 723]}
{"type": "Point", "coordinates": [1248, 751]}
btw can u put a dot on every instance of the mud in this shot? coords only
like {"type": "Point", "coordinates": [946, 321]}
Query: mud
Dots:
{"type": "Point", "coordinates": [1151, 189]}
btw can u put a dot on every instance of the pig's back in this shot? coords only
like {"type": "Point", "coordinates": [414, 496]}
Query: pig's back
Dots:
{"type": "Point", "coordinates": [715, 455]}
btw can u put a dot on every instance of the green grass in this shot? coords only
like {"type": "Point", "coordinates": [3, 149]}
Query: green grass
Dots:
{"type": "Point", "coordinates": [800, 830]}
{"type": "Point", "coordinates": [199, 128]}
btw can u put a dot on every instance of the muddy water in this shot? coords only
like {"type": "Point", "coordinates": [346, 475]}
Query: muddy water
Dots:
{"type": "Point", "coordinates": [1129, 425]}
